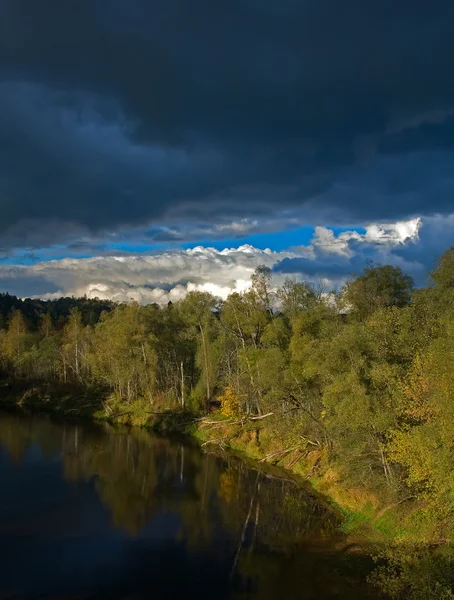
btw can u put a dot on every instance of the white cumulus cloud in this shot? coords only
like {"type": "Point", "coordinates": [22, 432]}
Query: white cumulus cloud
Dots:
{"type": "Point", "coordinates": [170, 275]}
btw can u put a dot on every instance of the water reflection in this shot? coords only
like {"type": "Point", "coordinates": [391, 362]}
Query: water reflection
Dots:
{"type": "Point", "coordinates": [100, 512]}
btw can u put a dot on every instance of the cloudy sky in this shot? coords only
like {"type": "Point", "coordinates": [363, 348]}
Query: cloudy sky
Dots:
{"type": "Point", "coordinates": [152, 147]}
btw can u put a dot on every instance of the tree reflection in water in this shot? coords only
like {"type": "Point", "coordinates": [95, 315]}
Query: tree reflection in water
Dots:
{"type": "Point", "coordinates": [208, 522]}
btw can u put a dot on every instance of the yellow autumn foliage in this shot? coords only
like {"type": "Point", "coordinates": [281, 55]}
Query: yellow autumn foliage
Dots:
{"type": "Point", "coordinates": [416, 389]}
{"type": "Point", "coordinates": [230, 403]}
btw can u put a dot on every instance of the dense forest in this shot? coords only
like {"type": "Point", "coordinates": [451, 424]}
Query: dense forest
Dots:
{"type": "Point", "coordinates": [33, 309]}
{"type": "Point", "coordinates": [359, 382]}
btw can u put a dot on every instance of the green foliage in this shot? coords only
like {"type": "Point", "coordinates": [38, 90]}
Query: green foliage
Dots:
{"type": "Point", "coordinates": [443, 274]}
{"type": "Point", "coordinates": [296, 297]}
{"type": "Point", "coordinates": [124, 354]}
{"type": "Point", "coordinates": [260, 285]}
{"type": "Point", "coordinates": [34, 309]}
{"type": "Point", "coordinates": [379, 287]}
{"type": "Point", "coordinates": [415, 572]}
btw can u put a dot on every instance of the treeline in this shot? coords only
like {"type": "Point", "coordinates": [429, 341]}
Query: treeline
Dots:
{"type": "Point", "coordinates": [361, 379]}
{"type": "Point", "coordinates": [33, 309]}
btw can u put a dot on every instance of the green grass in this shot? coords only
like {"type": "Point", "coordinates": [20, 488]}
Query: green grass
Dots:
{"type": "Point", "coordinates": [354, 520]}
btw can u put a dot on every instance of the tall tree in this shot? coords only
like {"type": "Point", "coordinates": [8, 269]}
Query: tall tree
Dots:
{"type": "Point", "coordinates": [260, 281]}
{"type": "Point", "coordinates": [197, 309]}
{"type": "Point", "coordinates": [74, 349]}
{"type": "Point", "coordinates": [443, 274]}
{"type": "Point", "coordinates": [380, 286]}
{"type": "Point", "coordinates": [296, 296]}
{"type": "Point", "coordinates": [16, 338]}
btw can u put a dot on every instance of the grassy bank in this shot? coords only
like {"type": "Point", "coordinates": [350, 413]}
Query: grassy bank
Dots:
{"type": "Point", "coordinates": [368, 516]}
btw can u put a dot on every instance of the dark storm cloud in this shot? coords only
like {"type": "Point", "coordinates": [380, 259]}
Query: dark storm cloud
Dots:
{"type": "Point", "coordinates": [21, 287]}
{"type": "Point", "coordinates": [130, 111]}
{"type": "Point", "coordinates": [326, 265]}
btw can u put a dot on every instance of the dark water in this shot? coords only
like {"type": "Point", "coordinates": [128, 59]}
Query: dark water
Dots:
{"type": "Point", "coordinates": [96, 512]}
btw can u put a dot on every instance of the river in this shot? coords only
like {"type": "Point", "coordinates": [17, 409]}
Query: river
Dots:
{"type": "Point", "coordinates": [93, 511]}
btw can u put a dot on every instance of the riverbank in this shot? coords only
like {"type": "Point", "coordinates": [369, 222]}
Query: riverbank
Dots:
{"type": "Point", "coordinates": [367, 517]}
{"type": "Point", "coordinates": [413, 548]}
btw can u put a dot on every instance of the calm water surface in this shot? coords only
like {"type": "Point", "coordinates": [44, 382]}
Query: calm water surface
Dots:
{"type": "Point", "coordinates": [95, 512]}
